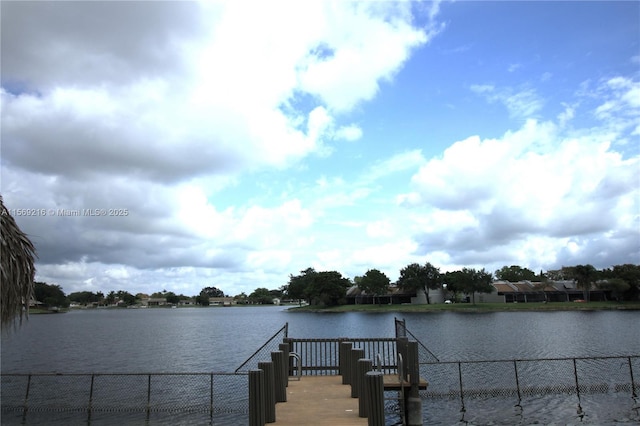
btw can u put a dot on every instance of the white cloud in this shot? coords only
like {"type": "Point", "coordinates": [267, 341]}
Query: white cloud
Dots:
{"type": "Point", "coordinates": [349, 133]}
{"type": "Point", "coordinates": [514, 67]}
{"type": "Point", "coordinates": [521, 103]}
{"type": "Point", "coordinates": [537, 184]}
{"type": "Point", "coordinates": [227, 102]}
{"type": "Point", "coordinates": [187, 115]}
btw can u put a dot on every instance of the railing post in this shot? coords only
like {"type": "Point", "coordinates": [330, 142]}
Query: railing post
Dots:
{"type": "Point", "coordinates": [401, 348]}
{"type": "Point", "coordinates": [284, 347]}
{"type": "Point", "coordinates": [413, 403]}
{"type": "Point", "coordinates": [364, 366]}
{"type": "Point", "coordinates": [211, 398]}
{"type": "Point", "coordinates": [279, 373]}
{"type": "Point", "coordinates": [356, 354]}
{"type": "Point", "coordinates": [462, 410]}
{"type": "Point", "coordinates": [26, 400]}
{"type": "Point", "coordinates": [374, 392]}
{"type": "Point", "coordinates": [149, 398]}
{"type": "Point", "coordinates": [289, 342]}
{"type": "Point", "coordinates": [256, 398]}
{"type": "Point", "coordinates": [89, 408]}
{"type": "Point", "coordinates": [344, 360]}
{"type": "Point", "coordinates": [269, 391]}
{"type": "Point", "coordinates": [633, 385]}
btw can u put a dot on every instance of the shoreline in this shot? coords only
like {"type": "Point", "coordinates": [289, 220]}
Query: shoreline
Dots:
{"type": "Point", "coordinates": [477, 308]}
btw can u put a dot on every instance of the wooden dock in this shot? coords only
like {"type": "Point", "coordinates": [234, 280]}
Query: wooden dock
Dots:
{"type": "Point", "coordinates": [319, 400]}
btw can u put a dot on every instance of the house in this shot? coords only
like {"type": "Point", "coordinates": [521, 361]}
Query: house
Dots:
{"type": "Point", "coordinates": [154, 301]}
{"type": "Point", "coordinates": [221, 301]}
{"type": "Point", "coordinates": [551, 291]}
{"type": "Point", "coordinates": [395, 296]}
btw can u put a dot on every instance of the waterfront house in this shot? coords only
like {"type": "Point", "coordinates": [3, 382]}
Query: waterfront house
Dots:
{"type": "Point", "coordinates": [154, 301]}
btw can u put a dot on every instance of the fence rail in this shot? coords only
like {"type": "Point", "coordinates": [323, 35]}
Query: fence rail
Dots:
{"type": "Point", "coordinates": [321, 356]}
{"type": "Point", "coordinates": [212, 395]}
{"type": "Point", "coordinates": [528, 377]}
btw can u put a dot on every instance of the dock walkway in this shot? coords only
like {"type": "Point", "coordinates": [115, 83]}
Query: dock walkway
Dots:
{"type": "Point", "coordinates": [319, 400]}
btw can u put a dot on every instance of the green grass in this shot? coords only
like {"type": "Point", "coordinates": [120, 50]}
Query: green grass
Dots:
{"type": "Point", "coordinates": [478, 307]}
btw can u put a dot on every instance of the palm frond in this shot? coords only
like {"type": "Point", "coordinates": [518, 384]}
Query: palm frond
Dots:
{"type": "Point", "coordinates": [17, 271]}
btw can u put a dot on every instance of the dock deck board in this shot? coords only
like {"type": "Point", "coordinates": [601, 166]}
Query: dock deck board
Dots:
{"type": "Point", "coordinates": [319, 400]}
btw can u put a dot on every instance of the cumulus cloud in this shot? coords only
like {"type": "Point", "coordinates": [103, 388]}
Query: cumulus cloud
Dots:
{"type": "Point", "coordinates": [537, 187]}
{"type": "Point", "coordinates": [170, 99]}
{"type": "Point", "coordinates": [183, 115]}
{"type": "Point", "coordinates": [156, 107]}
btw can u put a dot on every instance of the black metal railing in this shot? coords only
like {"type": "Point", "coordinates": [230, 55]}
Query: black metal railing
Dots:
{"type": "Point", "coordinates": [263, 351]}
{"type": "Point", "coordinates": [321, 356]}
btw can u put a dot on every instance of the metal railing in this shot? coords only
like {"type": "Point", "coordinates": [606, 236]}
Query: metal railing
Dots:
{"type": "Point", "coordinates": [216, 397]}
{"type": "Point", "coordinates": [321, 356]}
{"type": "Point", "coordinates": [263, 352]}
{"type": "Point", "coordinates": [222, 398]}
{"type": "Point", "coordinates": [528, 377]}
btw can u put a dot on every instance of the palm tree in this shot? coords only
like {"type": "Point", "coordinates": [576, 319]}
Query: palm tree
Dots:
{"type": "Point", "coordinates": [17, 269]}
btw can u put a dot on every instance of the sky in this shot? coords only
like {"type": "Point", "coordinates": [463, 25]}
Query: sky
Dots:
{"type": "Point", "coordinates": [159, 145]}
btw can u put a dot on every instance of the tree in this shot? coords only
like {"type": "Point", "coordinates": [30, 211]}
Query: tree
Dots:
{"type": "Point", "coordinates": [454, 281]}
{"type": "Point", "coordinates": [261, 296]}
{"type": "Point", "coordinates": [616, 286]}
{"type": "Point", "coordinates": [212, 292]}
{"type": "Point", "coordinates": [631, 275]}
{"type": "Point", "coordinates": [172, 298]}
{"type": "Point", "coordinates": [328, 288]}
{"type": "Point", "coordinates": [126, 297]}
{"type": "Point", "coordinates": [50, 294]}
{"type": "Point", "coordinates": [276, 294]}
{"type": "Point", "coordinates": [241, 298]}
{"type": "Point", "coordinates": [300, 285]}
{"type": "Point", "coordinates": [469, 281]}
{"type": "Point", "coordinates": [480, 283]}
{"type": "Point", "coordinates": [84, 297]}
{"type": "Point", "coordinates": [515, 273]}
{"type": "Point", "coordinates": [374, 283]}
{"type": "Point", "coordinates": [415, 277]}
{"type": "Point", "coordinates": [202, 299]}
{"type": "Point", "coordinates": [584, 275]}
{"type": "Point", "coordinates": [17, 269]}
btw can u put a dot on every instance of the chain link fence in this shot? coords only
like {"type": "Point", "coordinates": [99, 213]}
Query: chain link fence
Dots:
{"type": "Point", "coordinates": [531, 377]}
{"type": "Point", "coordinates": [599, 390]}
{"type": "Point", "coordinates": [160, 398]}
{"type": "Point", "coordinates": [264, 352]}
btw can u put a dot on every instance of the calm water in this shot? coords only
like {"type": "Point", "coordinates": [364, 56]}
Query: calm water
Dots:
{"type": "Point", "coordinates": [220, 339]}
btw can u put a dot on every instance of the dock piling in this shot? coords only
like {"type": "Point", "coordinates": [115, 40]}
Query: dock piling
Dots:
{"type": "Point", "coordinates": [269, 391]}
{"type": "Point", "coordinates": [356, 354]}
{"type": "Point", "coordinates": [344, 360]}
{"type": "Point", "coordinates": [374, 393]}
{"type": "Point", "coordinates": [280, 372]}
{"type": "Point", "coordinates": [256, 398]}
{"type": "Point", "coordinates": [364, 366]}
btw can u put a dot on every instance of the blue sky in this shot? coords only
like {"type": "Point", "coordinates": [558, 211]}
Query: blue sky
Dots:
{"type": "Point", "coordinates": [337, 135]}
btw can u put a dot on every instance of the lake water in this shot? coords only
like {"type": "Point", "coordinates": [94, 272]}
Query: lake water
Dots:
{"type": "Point", "coordinates": [220, 339]}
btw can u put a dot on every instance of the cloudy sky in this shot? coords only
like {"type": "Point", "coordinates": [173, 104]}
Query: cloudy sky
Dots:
{"type": "Point", "coordinates": [231, 144]}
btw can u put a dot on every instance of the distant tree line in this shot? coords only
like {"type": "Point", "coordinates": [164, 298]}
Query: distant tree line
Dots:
{"type": "Point", "coordinates": [329, 288]}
